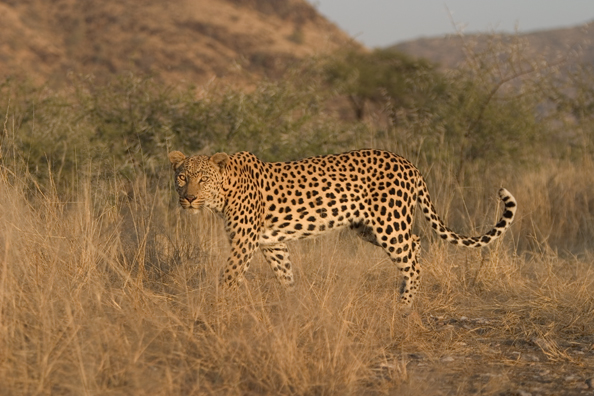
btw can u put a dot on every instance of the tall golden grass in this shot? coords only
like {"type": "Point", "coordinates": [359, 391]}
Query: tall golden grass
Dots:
{"type": "Point", "coordinates": [115, 293]}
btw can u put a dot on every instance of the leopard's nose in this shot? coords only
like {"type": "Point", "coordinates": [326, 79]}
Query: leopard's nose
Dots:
{"type": "Point", "coordinates": [190, 198]}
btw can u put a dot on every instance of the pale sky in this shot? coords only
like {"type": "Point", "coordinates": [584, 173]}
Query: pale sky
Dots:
{"type": "Point", "coordinates": [379, 23]}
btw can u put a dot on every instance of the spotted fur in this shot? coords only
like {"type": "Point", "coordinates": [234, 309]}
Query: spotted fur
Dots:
{"type": "Point", "coordinates": [266, 204]}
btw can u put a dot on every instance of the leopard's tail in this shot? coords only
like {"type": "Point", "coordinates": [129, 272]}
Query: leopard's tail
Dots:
{"type": "Point", "coordinates": [477, 241]}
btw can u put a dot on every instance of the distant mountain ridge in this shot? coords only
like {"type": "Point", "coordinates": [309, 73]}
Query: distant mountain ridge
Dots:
{"type": "Point", "coordinates": [195, 41]}
{"type": "Point", "coordinates": [184, 40]}
{"type": "Point", "coordinates": [573, 44]}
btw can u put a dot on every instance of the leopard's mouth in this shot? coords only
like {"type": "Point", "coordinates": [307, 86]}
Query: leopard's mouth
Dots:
{"type": "Point", "coordinates": [191, 205]}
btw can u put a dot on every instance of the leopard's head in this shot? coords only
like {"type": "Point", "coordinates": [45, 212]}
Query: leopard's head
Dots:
{"type": "Point", "coordinates": [198, 179]}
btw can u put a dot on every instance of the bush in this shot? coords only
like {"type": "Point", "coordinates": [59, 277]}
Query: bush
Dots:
{"type": "Point", "coordinates": [371, 77]}
{"type": "Point", "coordinates": [129, 125]}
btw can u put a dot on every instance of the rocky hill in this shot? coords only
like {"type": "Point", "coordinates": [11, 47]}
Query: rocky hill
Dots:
{"type": "Point", "coordinates": [569, 44]}
{"type": "Point", "coordinates": [184, 40]}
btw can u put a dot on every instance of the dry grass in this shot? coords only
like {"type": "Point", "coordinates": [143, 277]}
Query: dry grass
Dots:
{"type": "Point", "coordinates": [116, 294]}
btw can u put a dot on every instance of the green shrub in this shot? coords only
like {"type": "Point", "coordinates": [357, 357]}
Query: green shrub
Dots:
{"type": "Point", "coordinates": [371, 77]}
{"type": "Point", "coordinates": [130, 124]}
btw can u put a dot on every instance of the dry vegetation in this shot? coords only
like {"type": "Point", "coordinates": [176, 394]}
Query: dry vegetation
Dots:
{"type": "Point", "coordinates": [115, 293]}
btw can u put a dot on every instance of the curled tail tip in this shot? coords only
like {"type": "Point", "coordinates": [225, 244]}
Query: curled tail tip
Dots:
{"type": "Point", "coordinates": [504, 193]}
{"type": "Point", "coordinates": [510, 209]}
{"type": "Point", "coordinates": [507, 198]}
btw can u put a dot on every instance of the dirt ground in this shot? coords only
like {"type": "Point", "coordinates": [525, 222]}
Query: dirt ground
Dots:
{"type": "Point", "coordinates": [492, 365]}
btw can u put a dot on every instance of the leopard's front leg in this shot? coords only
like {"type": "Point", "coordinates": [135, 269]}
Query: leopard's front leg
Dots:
{"type": "Point", "coordinates": [243, 237]}
{"type": "Point", "coordinates": [243, 222]}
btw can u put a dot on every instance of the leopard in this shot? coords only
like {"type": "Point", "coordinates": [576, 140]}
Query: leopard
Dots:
{"type": "Point", "coordinates": [266, 204]}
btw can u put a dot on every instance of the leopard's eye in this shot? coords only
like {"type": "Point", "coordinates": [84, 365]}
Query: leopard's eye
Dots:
{"type": "Point", "coordinates": [204, 179]}
{"type": "Point", "coordinates": [182, 178]}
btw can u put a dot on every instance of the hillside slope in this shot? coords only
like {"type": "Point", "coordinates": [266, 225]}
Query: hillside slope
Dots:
{"type": "Point", "coordinates": [185, 40]}
{"type": "Point", "coordinates": [570, 44]}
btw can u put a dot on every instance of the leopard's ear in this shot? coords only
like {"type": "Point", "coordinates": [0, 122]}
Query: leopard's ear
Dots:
{"type": "Point", "coordinates": [221, 160]}
{"type": "Point", "coordinates": [176, 158]}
